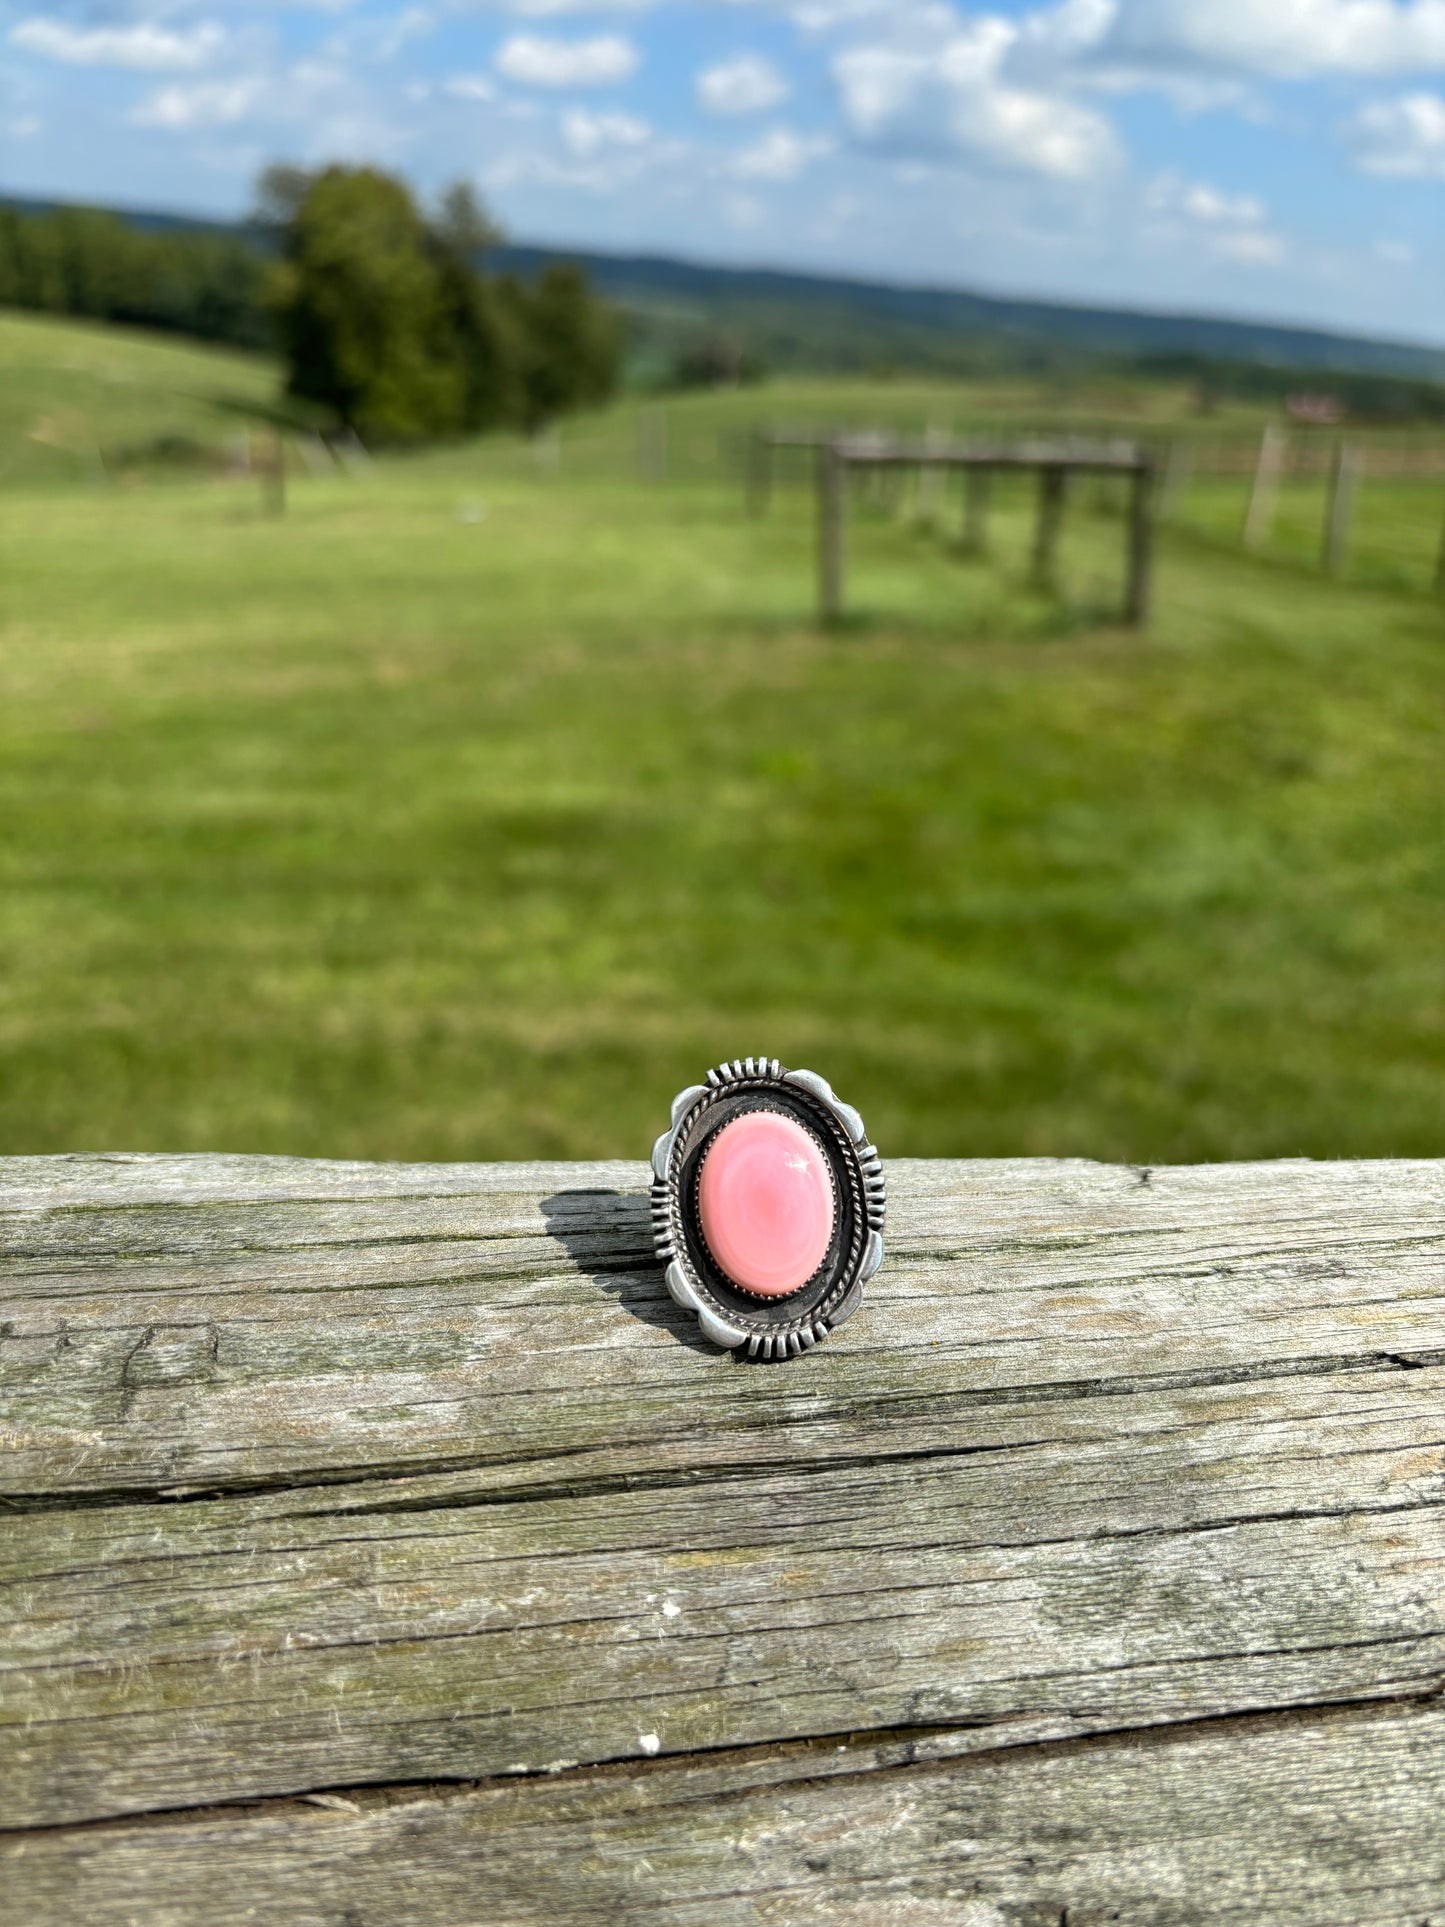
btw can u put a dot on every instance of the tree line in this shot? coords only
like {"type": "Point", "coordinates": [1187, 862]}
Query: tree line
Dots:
{"type": "Point", "coordinates": [383, 311]}
{"type": "Point", "coordinates": [79, 261]}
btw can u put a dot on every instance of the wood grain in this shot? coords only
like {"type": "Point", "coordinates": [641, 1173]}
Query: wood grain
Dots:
{"type": "Point", "coordinates": [1302, 1822]}
{"type": "Point", "coordinates": [331, 1476]}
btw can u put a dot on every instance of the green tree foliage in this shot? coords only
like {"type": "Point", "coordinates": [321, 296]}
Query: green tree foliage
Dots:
{"type": "Point", "coordinates": [384, 312]}
{"type": "Point", "coordinates": [363, 312]}
{"type": "Point", "coordinates": [387, 318]}
{"type": "Point", "coordinates": [483, 332]}
{"type": "Point", "coordinates": [76, 261]}
{"type": "Point", "coordinates": [570, 344]}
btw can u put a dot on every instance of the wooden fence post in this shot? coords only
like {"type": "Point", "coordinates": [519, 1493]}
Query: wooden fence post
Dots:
{"type": "Point", "coordinates": [652, 442]}
{"type": "Point", "coordinates": [830, 533]}
{"type": "Point", "coordinates": [1262, 495]}
{"type": "Point", "coordinates": [1051, 515]}
{"type": "Point", "coordinates": [1139, 595]}
{"type": "Point", "coordinates": [1178, 472]}
{"type": "Point", "coordinates": [976, 484]}
{"type": "Point", "coordinates": [547, 448]}
{"type": "Point", "coordinates": [932, 481]}
{"type": "Point", "coordinates": [760, 472]}
{"type": "Point", "coordinates": [273, 474]}
{"type": "Point", "coordinates": [1344, 474]}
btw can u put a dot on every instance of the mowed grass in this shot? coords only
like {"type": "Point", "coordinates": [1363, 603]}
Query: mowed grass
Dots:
{"type": "Point", "coordinates": [472, 810]}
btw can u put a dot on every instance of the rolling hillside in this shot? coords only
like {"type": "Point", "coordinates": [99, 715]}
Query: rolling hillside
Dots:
{"type": "Point", "coordinates": [74, 394]}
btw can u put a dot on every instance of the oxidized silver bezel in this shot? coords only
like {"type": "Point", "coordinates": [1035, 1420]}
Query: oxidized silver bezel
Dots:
{"type": "Point", "coordinates": [781, 1327]}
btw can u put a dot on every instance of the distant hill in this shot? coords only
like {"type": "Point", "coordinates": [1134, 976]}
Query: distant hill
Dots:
{"type": "Point", "coordinates": [798, 320]}
{"type": "Point", "coordinates": [813, 322]}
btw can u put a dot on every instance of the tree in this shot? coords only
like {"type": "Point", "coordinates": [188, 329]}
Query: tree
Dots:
{"type": "Point", "coordinates": [571, 346]}
{"type": "Point", "coordinates": [485, 339]}
{"type": "Point", "coordinates": [80, 261]}
{"type": "Point", "coordinates": [363, 308]}
{"type": "Point", "coordinates": [464, 225]}
{"type": "Point", "coordinates": [281, 191]}
{"type": "Point", "coordinates": [387, 319]}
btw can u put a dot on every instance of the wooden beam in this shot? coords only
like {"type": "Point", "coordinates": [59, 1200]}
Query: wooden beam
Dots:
{"type": "Point", "coordinates": [830, 495]}
{"type": "Point", "coordinates": [977, 484]}
{"type": "Point", "coordinates": [1178, 472]}
{"type": "Point", "coordinates": [1325, 1815]}
{"type": "Point", "coordinates": [1340, 506]}
{"type": "Point", "coordinates": [1264, 491]}
{"type": "Point", "coordinates": [1044, 572]}
{"type": "Point", "coordinates": [1093, 1565]}
{"type": "Point", "coordinates": [1139, 593]}
{"type": "Point", "coordinates": [652, 448]}
{"type": "Point", "coordinates": [932, 479]}
{"type": "Point", "coordinates": [1081, 460]}
{"type": "Point", "coordinates": [273, 473]}
{"type": "Point", "coordinates": [760, 473]}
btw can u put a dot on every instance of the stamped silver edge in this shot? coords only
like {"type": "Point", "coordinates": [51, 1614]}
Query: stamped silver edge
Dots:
{"type": "Point", "coordinates": [820, 1087]}
{"type": "Point", "coordinates": [721, 1333]}
{"type": "Point", "coordinates": [684, 1102]}
{"type": "Point", "coordinates": [679, 1289]}
{"type": "Point", "coordinates": [849, 1305]}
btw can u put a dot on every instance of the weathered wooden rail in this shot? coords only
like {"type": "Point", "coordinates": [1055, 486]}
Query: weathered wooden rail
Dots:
{"type": "Point", "coordinates": [1055, 462]}
{"type": "Point", "coordinates": [380, 1544]}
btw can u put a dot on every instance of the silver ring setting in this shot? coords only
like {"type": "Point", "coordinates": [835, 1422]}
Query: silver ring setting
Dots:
{"type": "Point", "coordinates": [787, 1324]}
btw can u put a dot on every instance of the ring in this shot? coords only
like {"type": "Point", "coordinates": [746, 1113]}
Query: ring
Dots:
{"type": "Point", "coordinates": [767, 1207]}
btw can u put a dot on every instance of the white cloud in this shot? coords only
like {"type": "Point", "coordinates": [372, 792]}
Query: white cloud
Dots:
{"type": "Point", "coordinates": [380, 40]}
{"type": "Point", "coordinates": [537, 61]}
{"type": "Point", "coordinates": [586, 133]}
{"type": "Point", "coordinates": [1252, 246]}
{"type": "Point", "coordinates": [957, 94]}
{"type": "Point", "coordinates": [144, 46]}
{"type": "Point", "coordinates": [747, 85]}
{"type": "Point", "coordinates": [1176, 44]}
{"type": "Point", "coordinates": [1287, 39]}
{"type": "Point", "coordinates": [556, 9]}
{"type": "Point", "coordinates": [471, 87]}
{"type": "Point", "coordinates": [743, 213]}
{"type": "Point", "coordinates": [206, 103]}
{"type": "Point", "coordinates": [779, 156]}
{"type": "Point", "coordinates": [1403, 138]}
{"type": "Point", "coordinates": [1200, 202]}
{"type": "Point", "coordinates": [1230, 227]}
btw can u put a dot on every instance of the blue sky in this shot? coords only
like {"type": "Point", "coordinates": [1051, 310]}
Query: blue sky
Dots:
{"type": "Point", "coordinates": [1280, 158]}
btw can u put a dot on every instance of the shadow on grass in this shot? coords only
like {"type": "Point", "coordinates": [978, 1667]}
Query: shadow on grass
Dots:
{"type": "Point", "coordinates": [285, 412]}
{"type": "Point", "coordinates": [1387, 578]}
{"type": "Point", "coordinates": [1025, 617]}
{"type": "Point", "coordinates": [608, 1235]}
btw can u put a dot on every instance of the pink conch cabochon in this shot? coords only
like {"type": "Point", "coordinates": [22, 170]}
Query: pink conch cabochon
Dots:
{"type": "Point", "coordinates": [766, 1202]}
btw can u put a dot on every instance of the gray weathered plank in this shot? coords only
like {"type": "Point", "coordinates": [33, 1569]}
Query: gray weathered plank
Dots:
{"type": "Point", "coordinates": [1316, 1820]}
{"type": "Point", "coordinates": [223, 1322]}
{"type": "Point", "coordinates": [346, 1476]}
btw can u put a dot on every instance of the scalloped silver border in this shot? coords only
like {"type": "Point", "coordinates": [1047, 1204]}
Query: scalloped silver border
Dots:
{"type": "Point", "coordinates": [681, 1287]}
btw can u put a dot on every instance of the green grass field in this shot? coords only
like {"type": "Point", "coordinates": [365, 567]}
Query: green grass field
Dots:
{"type": "Point", "coordinates": [78, 399]}
{"type": "Point", "coordinates": [472, 809]}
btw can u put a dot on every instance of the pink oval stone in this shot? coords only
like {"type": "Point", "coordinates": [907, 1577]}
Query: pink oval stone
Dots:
{"type": "Point", "coordinates": [766, 1202]}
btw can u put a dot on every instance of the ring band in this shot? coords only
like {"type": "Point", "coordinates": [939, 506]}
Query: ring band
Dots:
{"type": "Point", "coordinates": [767, 1207]}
